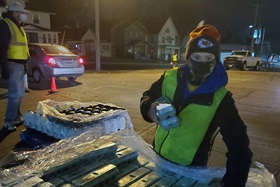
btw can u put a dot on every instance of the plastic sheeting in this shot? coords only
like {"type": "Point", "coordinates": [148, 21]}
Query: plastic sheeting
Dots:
{"type": "Point", "coordinates": [65, 119]}
{"type": "Point", "coordinates": [70, 149]}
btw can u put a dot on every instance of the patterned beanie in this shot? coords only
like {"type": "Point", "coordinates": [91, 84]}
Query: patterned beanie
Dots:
{"type": "Point", "coordinates": [204, 39]}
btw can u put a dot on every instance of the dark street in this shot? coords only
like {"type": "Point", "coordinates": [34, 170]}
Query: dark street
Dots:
{"type": "Point", "coordinates": [256, 95]}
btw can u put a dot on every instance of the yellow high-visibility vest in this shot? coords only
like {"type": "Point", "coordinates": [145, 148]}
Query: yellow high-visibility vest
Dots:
{"type": "Point", "coordinates": [175, 57]}
{"type": "Point", "coordinates": [180, 144]}
{"type": "Point", "coordinates": [18, 48]}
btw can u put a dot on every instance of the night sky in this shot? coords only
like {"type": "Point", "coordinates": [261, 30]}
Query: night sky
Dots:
{"type": "Point", "coordinates": [227, 15]}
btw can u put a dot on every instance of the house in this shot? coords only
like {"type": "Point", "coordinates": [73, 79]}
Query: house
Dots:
{"type": "Point", "coordinates": [130, 39]}
{"type": "Point", "coordinates": [145, 41]}
{"type": "Point", "coordinates": [127, 39]}
{"type": "Point", "coordinates": [82, 41]}
{"type": "Point", "coordinates": [166, 40]}
{"type": "Point", "coordinates": [38, 24]}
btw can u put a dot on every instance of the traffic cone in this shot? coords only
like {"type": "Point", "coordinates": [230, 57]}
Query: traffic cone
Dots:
{"type": "Point", "coordinates": [53, 86]}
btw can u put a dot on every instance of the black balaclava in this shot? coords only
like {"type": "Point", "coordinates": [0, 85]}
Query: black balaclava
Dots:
{"type": "Point", "coordinates": [202, 39]}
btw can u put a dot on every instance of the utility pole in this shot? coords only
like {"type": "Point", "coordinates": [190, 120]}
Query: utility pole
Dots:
{"type": "Point", "coordinates": [65, 27]}
{"type": "Point", "coordinates": [263, 34]}
{"type": "Point", "coordinates": [254, 28]}
{"type": "Point", "coordinates": [97, 37]}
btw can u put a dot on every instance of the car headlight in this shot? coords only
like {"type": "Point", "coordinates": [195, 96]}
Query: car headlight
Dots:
{"type": "Point", "coordinates": [239, 59]}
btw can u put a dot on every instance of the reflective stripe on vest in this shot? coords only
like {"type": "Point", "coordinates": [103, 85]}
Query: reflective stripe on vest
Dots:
{"type": "Point", "coordinates": [18, 48]}
{"type": "Point", "coordinates": [181, 144]}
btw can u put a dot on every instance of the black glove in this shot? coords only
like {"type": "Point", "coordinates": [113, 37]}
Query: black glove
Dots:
{"type": "Point", "coordinates": [5, 74]}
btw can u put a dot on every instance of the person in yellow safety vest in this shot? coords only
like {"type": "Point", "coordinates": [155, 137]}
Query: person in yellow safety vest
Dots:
{"type": "Point", "coordinates": [14, 55]}
{"type": "Point", "coordinates": [203, 107]}
{"type": "Point", "coordinates": [174, 59]}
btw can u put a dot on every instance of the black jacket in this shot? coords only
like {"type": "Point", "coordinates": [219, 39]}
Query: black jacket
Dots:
{"type": "Point", "coordinates": [232, 128]}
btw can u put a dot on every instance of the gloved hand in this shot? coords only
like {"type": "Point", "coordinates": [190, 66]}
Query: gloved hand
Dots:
{"type": "Point", "coordinates": [152, 113]}
{"type": "Point", "coordinates": [5, 74]}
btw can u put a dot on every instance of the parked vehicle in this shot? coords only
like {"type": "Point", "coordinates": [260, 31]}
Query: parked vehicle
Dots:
{"type": "Point", "coordinates": [242, 60]}
{"type": "Point", "coordinates": [50, 60]}
{"type": "Point", "coordinates": [274, 58]}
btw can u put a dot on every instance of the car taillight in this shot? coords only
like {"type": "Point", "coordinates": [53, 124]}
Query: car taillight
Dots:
{"type": "Point", "coordinates": [50, 61]}
{"type": "Point", "coordinates": [81, 61]}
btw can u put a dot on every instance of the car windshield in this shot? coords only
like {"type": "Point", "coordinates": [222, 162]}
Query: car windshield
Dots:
{"type": "Point", "coordinates": [243, 53]}
{"type": "Point", "coordinates": [56, 50]}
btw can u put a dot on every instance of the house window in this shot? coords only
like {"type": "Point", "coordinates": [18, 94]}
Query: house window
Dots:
{"type": "Point", "coordinates": [54, 39]}
{"type": "Point", "coordinates": [169, 39]}
{"type": "Point", "coordinates": [44, 36]}
{"type": "Point", "coordinates": [36, 18]}
{"type": "Point", "coordinates": [105, 47]}
{"type": "Point", "coordinates": [167, 30]}
{"type": "Point", "coordinates": [49, 38]}
{"type": "Point", "coordinates": [163, 39]}
{"type": "Point", "coordinates": [32, 37]}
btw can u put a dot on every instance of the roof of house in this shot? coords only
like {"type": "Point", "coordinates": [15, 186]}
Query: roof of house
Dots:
{"type": "Point", "coordinates": [36, 27]}
{"type": "Point", "coordinates": [152, 25]}
{"type": "Point", "coordinates": [126, 24]}
{"type": "Point", "coordinates": [76, 33]}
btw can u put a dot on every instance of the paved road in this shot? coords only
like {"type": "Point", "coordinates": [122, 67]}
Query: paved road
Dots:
{"type": "Point", "coordinates": [256, 93]}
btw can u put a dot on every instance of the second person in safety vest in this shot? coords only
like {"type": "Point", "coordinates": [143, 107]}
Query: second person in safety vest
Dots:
{"type": "Point", "coordinates": [14, 55]}
{"type": "Point", "coordinates": [174, 59]}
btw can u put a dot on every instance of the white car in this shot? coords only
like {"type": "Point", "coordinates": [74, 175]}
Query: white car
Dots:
{"type": "Point", "coordinates": [242, 59]}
